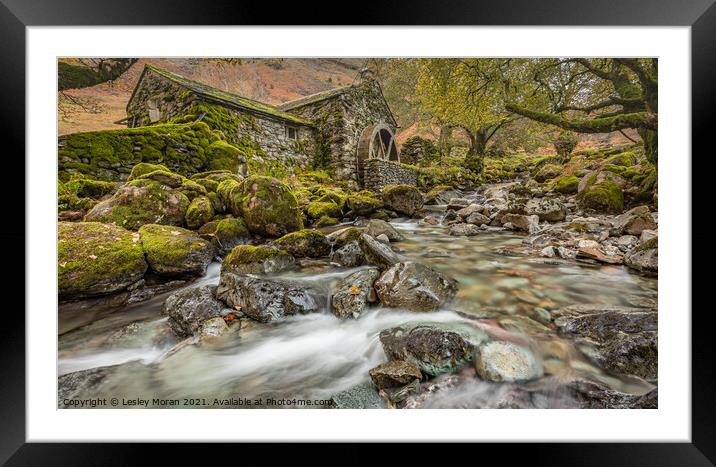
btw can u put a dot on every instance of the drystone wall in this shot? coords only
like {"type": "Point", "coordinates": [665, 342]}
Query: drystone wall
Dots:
{"type": "Point", "coordinates": [379, 173]}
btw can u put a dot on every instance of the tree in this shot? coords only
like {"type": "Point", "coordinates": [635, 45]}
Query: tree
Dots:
{"type": "Point", "coordinates": [463, 94]}
{"type": "Point", "coordinates": [587, 95]}
{"type": "Point", "coordinates": [86, 72]}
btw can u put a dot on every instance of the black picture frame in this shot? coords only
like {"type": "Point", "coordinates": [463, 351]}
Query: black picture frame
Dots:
{"type": "Point", "coordinates": [16, 15]}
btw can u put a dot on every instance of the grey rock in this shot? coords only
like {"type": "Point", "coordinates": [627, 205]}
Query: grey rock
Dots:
{"type": "Point", "coordinates": [463, 230]}
{"type": "Point", "coordinates": [353, 293]}
{"type": "Point", "coordinates": [547, 209]}
{"type": "Point", "coordinates": [394, 374]}
{"type": "Point", "coordinates": [416, 287]}
{"type": "Point", "coordinates": [505, 361]}
{"type": "Point", "coordinates": [265, 299]}
{"type": "Point", "coordinates": [377, 253]}
{"type": "Point", "coordinates": [350, 255]}
{"type": "Point", "coordinates": [377, 227]}
{"type": "Point", "coordinates": [189, 308]}
{"type": "Point", "coordinates": [620, 339]}
{"type": "Point", "coordinates": [362, 396]}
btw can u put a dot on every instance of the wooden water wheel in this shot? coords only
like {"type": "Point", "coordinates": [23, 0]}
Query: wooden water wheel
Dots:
{"type": "Point", "coordinates": [376, 142]}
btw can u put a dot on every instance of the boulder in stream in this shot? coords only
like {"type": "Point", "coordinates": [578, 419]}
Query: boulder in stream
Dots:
{"type": "Point", "coordinates": [435, 348]}
{"type": "Point", "coordinates": [394, 374]}
{"type": "Point", "coordinates": [265, 299]}
{"type": "Point", "coordinates": [349, 255]}
{"type": "Point", "coordinates": [261, 259]}
{"type": "Point", "coordinates": [307, 243]}
{"type": "Point", "coordinates": [377, 253]}
{"type": "Point", "coordinates": [403, 199]}
{"type": "Point", "coordinates": [505, 361]}
{"type": "Point", "coordinates": [189, 308]}
{"type": "Point", "coordinates": [416, 287]}
{"type": "Point", "coordinates": [620, 339]}
{"type": "Point", "coordinates": [354, 292]}
{"type": "Point", "coordinates": [377, 227]}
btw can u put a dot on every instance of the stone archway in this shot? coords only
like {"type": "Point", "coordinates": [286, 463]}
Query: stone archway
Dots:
{"type": "Point", "coordinates": [376, 142]}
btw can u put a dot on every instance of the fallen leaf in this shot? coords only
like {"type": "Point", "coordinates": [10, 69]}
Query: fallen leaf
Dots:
{"type": "Point", "coordinates": [175, 232]}
{"type": "Point", "coordinates": [93, 256]}
{"type": "Point", "coordinates": [63, 264]}
{"type": "Point", "coordinates": [237, 307]}
{"type": "Point", "coordinates": [355, 290]}
{"type": "Point", "coordinates": [230, 317]}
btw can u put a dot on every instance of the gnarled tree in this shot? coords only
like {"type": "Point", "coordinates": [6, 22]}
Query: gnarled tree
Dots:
{"type": "Point", "coordinates": [598, 95]}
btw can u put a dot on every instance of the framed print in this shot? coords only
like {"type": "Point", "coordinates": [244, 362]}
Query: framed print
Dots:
{"type": "Point", "coordinates": [427, 226]}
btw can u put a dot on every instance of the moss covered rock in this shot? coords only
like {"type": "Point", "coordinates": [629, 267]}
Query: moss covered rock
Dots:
{"type": "Point", "coordinates": [211, 186]}
{"type": "Point", "coordinates": [96, 259]}
{"type": "Point", "coordinates": [144, 168]}
{"type": "Point", "coordinates": [318, 209]}
{"type": "Point", "coordinates": [363, 204]}
{"type": "Point", "coordinates": [262, 259]}
{"type": "Point", "coordinates": [566, 185]}
{"type": "Point", "coordinates": [267, 206]}
{"type": "Point", "coordinates": [164, 177]}
{"type": "Point", "coordinates": [225, 191]}
{"type": "Point", "coordinates": [624, 159]}
{"type": "Point", "coordinates": [605, 196]}
{"type": "Point", "coordinates": [229, 233]}
{"type": "Point", "coordinates": [325, 221]}
{"type": "Point", "coordinates": [85, 187]}
{"type": "Point", "coordinates": [141, 202]}
{"type": "Point", "coordinates": [173, 251]}
{"type": "Point", "coordinates": [200, 212]}
{"type": "Point", "coordinates": [192, 189]}
{"type": "Point", "coordinates": [548, 172]}
{"type": "Point", "coordinates": [403, 199]}
{"type": "Point", "coordinates": [224, 156]}
{"type": "Point", "coordinates": [305, 243]}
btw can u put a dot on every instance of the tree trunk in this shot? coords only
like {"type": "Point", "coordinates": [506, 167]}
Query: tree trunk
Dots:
{"type": "Point", "coordinates": [651, 144]}
{"type": "Point", "coordinates": [444, 141]}
{"type": "Point", "coordinates": [475, 157]}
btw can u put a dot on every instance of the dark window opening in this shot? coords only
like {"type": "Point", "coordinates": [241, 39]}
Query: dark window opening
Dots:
{"type": "Point", "coordinates": [291, 132]}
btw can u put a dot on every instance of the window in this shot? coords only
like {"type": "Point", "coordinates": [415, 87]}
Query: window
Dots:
{"type": "Point", "coordinates": [291, 132]}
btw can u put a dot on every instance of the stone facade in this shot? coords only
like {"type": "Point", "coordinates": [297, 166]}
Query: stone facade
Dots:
{"type": "Point", "coordinates": [342, 118]}
{"type": "Point", "coordinates": [379, 174]}
{"type": "Point", "coordinates": [322, 130]}
{"type": "Point", "coordinates": [274, 137]}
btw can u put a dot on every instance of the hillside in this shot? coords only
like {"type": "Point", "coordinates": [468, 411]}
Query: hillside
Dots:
{"type": "Point", "coordinates": [270, 81]}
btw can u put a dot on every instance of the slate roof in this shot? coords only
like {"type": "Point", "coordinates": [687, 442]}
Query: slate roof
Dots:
{"type": "Point", "coordinates": [313, 98]}
{"type": "Point", "coordinates": [228, 99]}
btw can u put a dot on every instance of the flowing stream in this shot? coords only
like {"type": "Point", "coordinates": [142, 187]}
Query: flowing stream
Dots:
{"type": "Point", "coordinates": [315, 356]}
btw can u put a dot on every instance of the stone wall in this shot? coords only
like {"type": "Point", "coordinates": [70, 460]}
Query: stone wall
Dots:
{"type": "Point", "coordinates": [264, 140]}
{"type": "Point", "coordinates": [380, 173]}
{"type": "Point", "coordinates": [342, 119]}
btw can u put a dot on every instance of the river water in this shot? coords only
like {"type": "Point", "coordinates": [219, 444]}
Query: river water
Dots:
{"type": "Point", "coordinates": [315, 356]}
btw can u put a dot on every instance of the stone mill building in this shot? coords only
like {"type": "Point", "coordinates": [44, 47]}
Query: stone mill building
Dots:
{"type": "Point", "coordinates": [350, 130]}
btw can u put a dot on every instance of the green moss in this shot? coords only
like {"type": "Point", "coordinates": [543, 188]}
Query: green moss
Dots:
{"type": "Point", "coordinates": [616, 169]}
{"type": "Point", "coordinates": [95, 258]}
{"type": "Point", "coordinates": [267, 205]}
{"type": "Point", "coordinates": [102, 153]}
{"type": "Point", "coordinates": [363, 204]}
{"type": "Point", "coordinates": [326, 221]}
{"type": "Point", "coordinates": [223, 156]}
{"type": "Point", "coordinates": [604, 196]}
{"type": "Point", "coordinates": [625, 159]}
{"type": "Point", "coordinates": [225, 192]}
{"type": "Point", "coordinates": [192, 189]}
{"type": "Point", "coordinates": [548, 172]}
{"type": "Point", "coordinates": [84, 187]}
{"type": "Point", "coordinates": [164, 177]}
{"type": "Point", "coordinates": [308, 242]}
{"type": "Point", "coordinates": [200, 212]}
{"type": "Point", "coordinates": [317, 209]}
{"type": "Point", "coordinates": [215, 175]}
{"type": "Point", "coordinates": [141, 202]}
{"type": "Point", "coordinates": [211, 186]}
{"type": "Point", "coordinates": [244, 255]}
{"type": "Point", "coordinates": [171, 250]}
{"type": "Point", "coordinates": [328, 195]}
{"type": "Point", "coordinates": [566, 184]}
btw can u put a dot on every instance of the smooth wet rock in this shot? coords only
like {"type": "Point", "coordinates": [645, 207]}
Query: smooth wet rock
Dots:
{"type": "Point", "coordinates": [403, 199]}
{"type": "Point", "coordinates": [349, 255]}
{"type": "Point", "coordinates": [353, 293]}
{"type": "Point", "coordinates": [172, 251]}
{"type": "Point", "coordinates": [505, 361]}
{"type": "Point", "coordinates": [416, 287]}
{"type": "Point", "coordinates": [213, 328]}
{"type": "Point", "coordinates": [97, 259]}
{"type": "Point", "coordinates": [594, 395]}
{"type": "Point", "coordinates": [377, 227]}
{"type": "Point", "coordinates": [343, 236]}
{"type": "Point", "coordinates": [394, 374]}
{"type": "Point", "coordinates": [265, 299]}
{"type": "Point", "coordinates": [463, 230]}
{"type": "Point", "coordinates": [621, 339]}
{"type": "Point", "coordinates": [648, 235]}
{"type": "Point", "coordinates": [261, 259]}
{"type": "Point", "coordinates": [436, 197]}
{"type": "Point", "coordinates": [307, 243]}
{"type": "Point", "coordinates": [377, 253]}
{"type": "Point", "coordinates": [547, 209]}
{"type": "Point", "coordinates": [471, 209]}
{"type": "Point", "coordinates": [189, 308]}
{"type": "Point", "coordinates": [435, 348]}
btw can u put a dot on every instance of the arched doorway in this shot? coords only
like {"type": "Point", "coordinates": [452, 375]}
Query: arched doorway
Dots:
{"type": "Point", "coordinates": [376, 142]}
